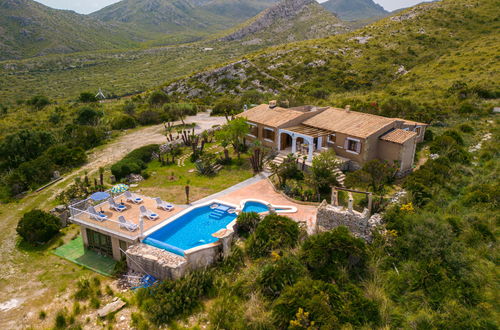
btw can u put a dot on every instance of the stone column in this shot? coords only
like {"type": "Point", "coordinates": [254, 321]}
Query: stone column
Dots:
{"type": "Point", "coordinates": [370, 202]}
{"type": "Point", "coordinates": [351, 201]}
{"type": "Point", "coordinates": [279, 140]}
{"type": "Point", "coordinates": [294, 144]}
{"type": "Point", "coordinates": [311, 151]}
{"type": "Point", "coordinates": [320, 143]}
{"type": "Point", "coordinates": [335, 197]}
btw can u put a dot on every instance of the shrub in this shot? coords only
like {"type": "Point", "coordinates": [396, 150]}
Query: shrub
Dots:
{"type": "Point", "coordinates": [66, 157]}
{"type": "Point", "coordinates": [86, 136]}
{"type": "Point", "coordinates": [123, 122]}
{"type": "Point", "coordinates": [134, 162]}
{"type": "Point", "coordinates": [246, 223]}
{"type": "Point", "coordinates": [149, 117]}
{"type": "Point", "coordinates": [171, 299]}
{"type": "Point", "coordinates": [329, 254]}
{"type": "Point", "coordinates": [38, 102]}
{"type": "Point", "coordinates": [87, 97]}
{"type": "Point", "coordinates": [88, 116]}
{"type": "Point", "coordinates": [327, 306]}
{"type": "Point", "coordinates": [455, 136]}
{"type": "Point", "coordinates": [466, 128]}
{"type": "Point", "coordinates": [273, 232]}
{"type": "Point", "coordinates": [38, 227]}
{"type": "Point", "coordinates": [23, 146]}
{"type": "Point", "coordinates": [275, 276]}
{"type": "Point", "coordinates": [158, 98]}
{"type": "Point", "coordinates": [60, 322]}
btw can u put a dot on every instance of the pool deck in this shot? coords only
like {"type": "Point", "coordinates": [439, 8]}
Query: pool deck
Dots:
{"type": "Point", "coordinates": [263, 190]}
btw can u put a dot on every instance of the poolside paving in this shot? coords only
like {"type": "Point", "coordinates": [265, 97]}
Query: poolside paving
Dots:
{"type": "Point", "coordinates": [263, 190]}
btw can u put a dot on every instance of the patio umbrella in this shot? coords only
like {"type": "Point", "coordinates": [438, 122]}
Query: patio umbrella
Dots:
{"type": "Point", "coordinates": [119, 188]}
{"type": "Point", "coordinates": [99, 196]}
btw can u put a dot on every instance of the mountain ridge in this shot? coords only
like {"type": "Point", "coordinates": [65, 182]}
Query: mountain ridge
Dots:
{"type": "Point", "coordinates": [352, 10]}
{"type": "Point", "coordinates": [28, 28]}
{"type": "Point", "coordinates": [288, 20]}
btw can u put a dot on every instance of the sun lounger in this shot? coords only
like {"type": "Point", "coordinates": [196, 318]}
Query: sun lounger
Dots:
{"type": "Point", "coordinates": [147, 213]}
{"type": "Point", "coordinates": [132, 198]}
{"type": "Point", "coordinates": [96, 216]}
{"type": "Point", "coordinates": [127, 225]}
{"type": "Point", "coordinates": [116, 207]}
{"type": "Point", "coordinates": [163, 205]}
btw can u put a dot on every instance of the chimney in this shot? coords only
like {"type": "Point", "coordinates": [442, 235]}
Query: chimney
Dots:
{"type": "Point", "coordinates": [272, 104]}
{"type": "Point", "coordinates": [347, 108]}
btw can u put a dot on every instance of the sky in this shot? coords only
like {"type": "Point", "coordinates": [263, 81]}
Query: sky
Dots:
{"type": "Point", "coordinates": [89, 6]}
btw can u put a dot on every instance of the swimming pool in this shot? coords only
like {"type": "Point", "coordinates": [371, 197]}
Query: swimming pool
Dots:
{"type": "Point", "coordinates": [192, 229]}
{"type": "Point", "coordinates": [262, 206]}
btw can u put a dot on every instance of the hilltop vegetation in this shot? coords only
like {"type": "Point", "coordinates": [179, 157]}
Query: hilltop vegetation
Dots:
{"type": "Point", "coordinates": [288, 20]}
{"type": "Point", "coordinates": [168, 17]}
{"type": "Point", "coordinates": [388, 60]}
{"type": "Point", "coordinates": [353, 10]}
{"type": "Point", "coordinates": [29, 28]}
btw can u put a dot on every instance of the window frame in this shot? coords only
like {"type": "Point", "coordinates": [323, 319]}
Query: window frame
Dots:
{"type": "Point", "coordinates": [330, 141]}
{"type": "Point", "coordinates": [358, 145]}
{"type": "Point", "coordinates": [253, 126]}
{"type": "Point", "coordinates": [264, 134]}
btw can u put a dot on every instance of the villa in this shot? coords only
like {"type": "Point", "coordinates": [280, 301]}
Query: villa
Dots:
{"type": "Point", "coordinates": [355, 137]}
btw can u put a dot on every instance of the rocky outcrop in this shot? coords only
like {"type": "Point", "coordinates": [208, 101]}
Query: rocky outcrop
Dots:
{"type": "Point", "coordinates": [288, 20]}
{"type": "Point", "coordinates": [142, 258]}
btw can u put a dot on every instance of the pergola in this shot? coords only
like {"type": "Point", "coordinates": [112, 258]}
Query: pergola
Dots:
{"type": "Point", "coordinates": [308, 134]}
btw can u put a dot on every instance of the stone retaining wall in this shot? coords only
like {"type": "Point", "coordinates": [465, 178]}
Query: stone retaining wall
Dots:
{"type": "Point", "coordinates": [143, 258]}
{"type": "Point", "coordinates": [360, 224]}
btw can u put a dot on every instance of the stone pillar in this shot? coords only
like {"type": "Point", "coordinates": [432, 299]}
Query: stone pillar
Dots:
{"type": "Point", "coordinates": [335, 197]}
{"type": "Point", "coordinates": [320, 143]}
{"type": "Point", "coordinates": [370, 202]}
{"type": "Point", "coordinates": [294, 144]}
{"type": "Point", "coordinates": [351, 201]}
{"type": "Point", "coordinates": [311, 151]}
{"type": "Point", "coordinates": [279, 140]}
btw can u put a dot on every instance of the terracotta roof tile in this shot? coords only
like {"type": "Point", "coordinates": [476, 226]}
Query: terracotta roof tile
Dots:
{"type": "Point", "coordinates": [398, 136]}
{"type": "Point", "coordinates": [273, 117]}
{"type": "Point", "coordinates": [353, 123]}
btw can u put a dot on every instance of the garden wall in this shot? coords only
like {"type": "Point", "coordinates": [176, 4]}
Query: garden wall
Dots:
{"type": "Point", "coordinates": [143, 258]}
{"type": "Point", "coordinates": [360, 224]}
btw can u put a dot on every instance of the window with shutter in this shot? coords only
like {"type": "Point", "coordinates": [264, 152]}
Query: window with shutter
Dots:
{"type": "Point", "coordinates": [353, 145]}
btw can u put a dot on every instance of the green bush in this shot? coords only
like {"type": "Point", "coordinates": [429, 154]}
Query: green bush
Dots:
{"type": "Point", "coordinates": [65, 157]}
{"type": "Point", "coordinates": [334, 255]}
{"type": "Point", "coordinates": [158, 98]}
{"type": "Point", "coordinates": [83, 136]}
{"type": "Point", "coordinates": [246, 223]}
{"type": "Point", "coordinates": [23, 146]}
{"type": "Point", "coordinates": [171, 299]}
{"type": "Point", "coordinates": [149, 117]}
{"type": "Point", "coordinates": [38, 102]}
{"type": "Point", "coordinates": [38, 227]}
{"type": "Point", "coordinates": [134, 162]}
{"type": "Point", "coordinates": [275, 276]}
{"type": "Point", "coordinates": [466, 128]}
{"type": "Point", "coordinates": [87, 97]}
{"type": "Point", "coordinates": [88, 116]}
{"type": "Point", "coordinates": [272, 233]}
{"type": "Point", "coordinates": [123, 122]}
{"type": "Point", "coordinates": [327, 306]}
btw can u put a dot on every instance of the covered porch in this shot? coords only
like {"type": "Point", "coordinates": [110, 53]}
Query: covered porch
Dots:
{"type": "Point", "coordinates": [303, 139]}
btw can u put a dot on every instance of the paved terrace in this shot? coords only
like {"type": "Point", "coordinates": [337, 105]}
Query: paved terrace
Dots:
{"type": "Point", "coordinates": [257, 187]}
{"type": "Point", "coordinates": [131, 214]}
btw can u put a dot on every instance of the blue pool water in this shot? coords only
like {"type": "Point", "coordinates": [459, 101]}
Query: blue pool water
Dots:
{"type": "Point", "coordinates": [252, 206]}
{"type": "Point", "coordinates": [190, 230]}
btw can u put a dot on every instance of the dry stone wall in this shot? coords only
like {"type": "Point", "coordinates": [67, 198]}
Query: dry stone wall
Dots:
{"type": "Point", "coordinates": [360, 224]}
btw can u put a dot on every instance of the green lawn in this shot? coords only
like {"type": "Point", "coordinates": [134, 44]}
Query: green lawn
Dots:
{"type": "Point", "coordinates": [74, 251]}
{"type": "Point", "coordinates": [168, 182]}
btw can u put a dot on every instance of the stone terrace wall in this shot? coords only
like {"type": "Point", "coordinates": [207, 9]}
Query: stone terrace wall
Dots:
{"type": "Point", "coordinates": [360, 224]}
{"type": "Point", "coordinates": [143, 258]}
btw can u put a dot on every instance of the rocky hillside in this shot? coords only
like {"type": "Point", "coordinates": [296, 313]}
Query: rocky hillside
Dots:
{"type": "Point", "coordinates": [171, 16]}
{"type": "Point", "coordinates": [458, 39]}
{"type": "Point", "coordinates": [287, 21]}
{"type": "Point", "coordinates": [28, 28]}
{"type": "Point", "coordinates": [353, 10]}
